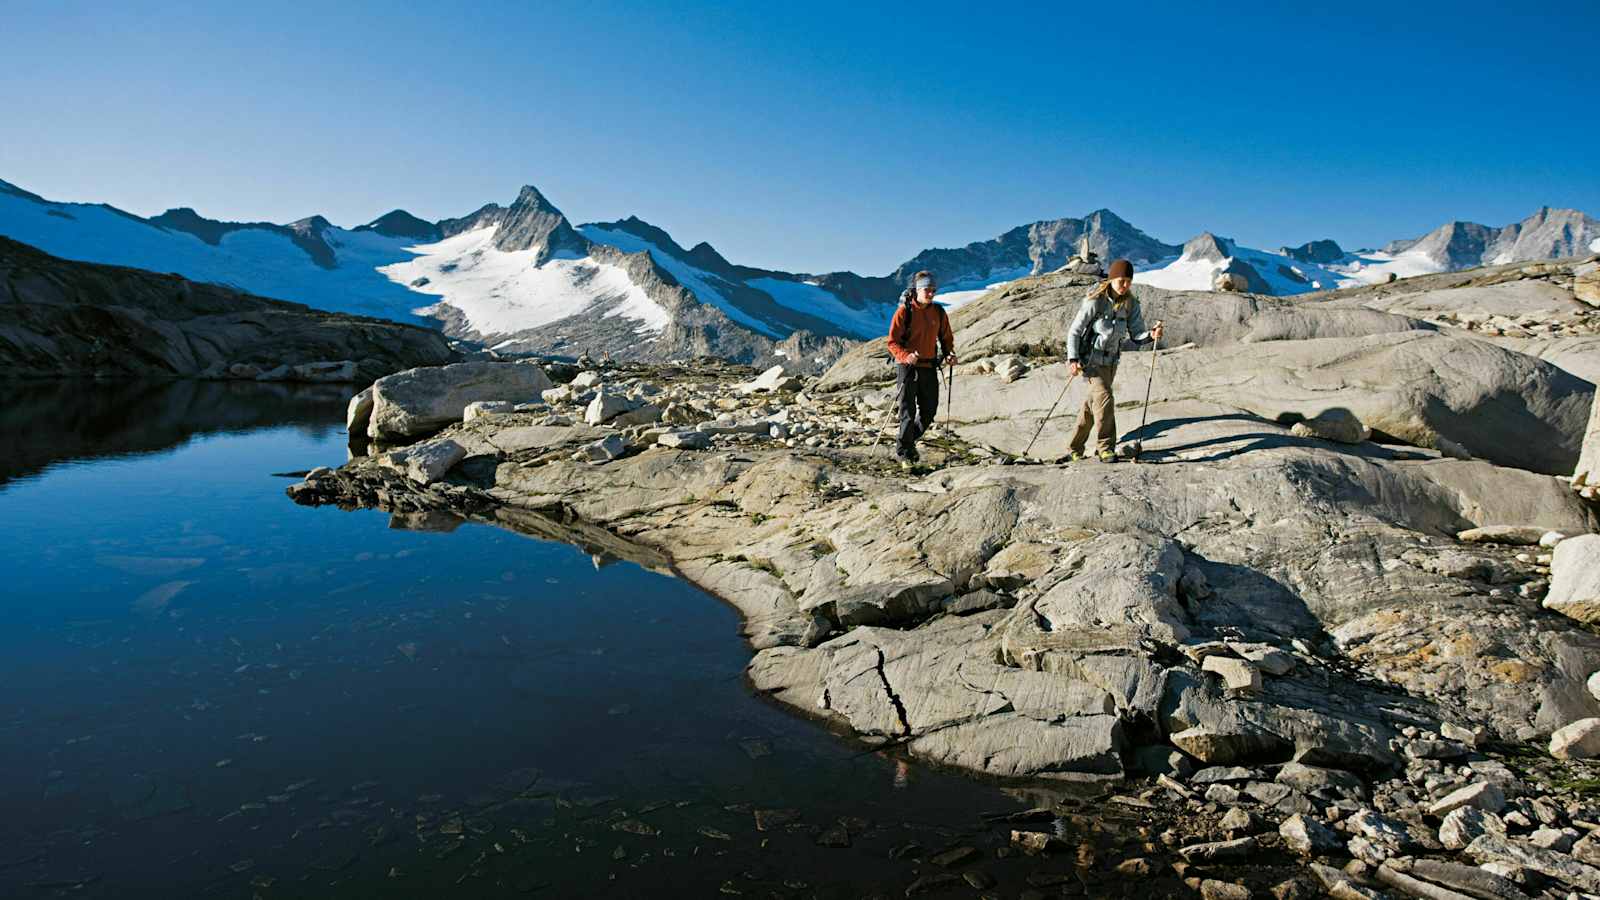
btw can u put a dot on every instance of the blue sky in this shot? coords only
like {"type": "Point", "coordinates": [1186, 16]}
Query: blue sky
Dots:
{"type": "Point", "coordinates": [817, 136]}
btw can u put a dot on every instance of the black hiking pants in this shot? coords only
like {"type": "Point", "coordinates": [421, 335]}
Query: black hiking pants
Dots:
{"type": "Point", "coordinates": [918, 390]}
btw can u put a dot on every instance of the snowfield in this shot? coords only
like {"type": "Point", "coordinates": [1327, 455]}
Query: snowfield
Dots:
{"type": "Point", "coordinates": [502, 293]}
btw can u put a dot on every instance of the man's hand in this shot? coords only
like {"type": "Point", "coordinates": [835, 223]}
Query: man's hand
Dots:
{"type": "Point", "coordinates": [950, 359]}
{"type": "Point", "coordinates": [1074, 368]}
{"type": "Point", "coordinates": [911, 358]}
{"type": "Point", "coordinates": [1157, 331]}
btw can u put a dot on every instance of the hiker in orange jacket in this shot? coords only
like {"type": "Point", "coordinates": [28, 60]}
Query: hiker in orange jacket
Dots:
{"type": "Point", "coordinates": [920, 340]}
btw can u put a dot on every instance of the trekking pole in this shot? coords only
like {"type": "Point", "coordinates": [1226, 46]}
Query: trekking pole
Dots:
{"type": "Point", "coordinates": [1059, 397]}
{"type": "Point", "coordinates": [1154, 352]}
{"type": "Point", "coordinates": [949, 398]}
{"type": "Point", "coordinates": [1138, 444]}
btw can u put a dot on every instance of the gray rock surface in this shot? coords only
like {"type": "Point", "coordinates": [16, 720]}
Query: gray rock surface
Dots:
{"type": "Point", "coordinates": [1089, 597]}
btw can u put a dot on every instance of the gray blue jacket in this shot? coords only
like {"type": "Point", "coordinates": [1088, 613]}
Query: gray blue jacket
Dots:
{"type": "Point", "coordinates": [1102, 330]}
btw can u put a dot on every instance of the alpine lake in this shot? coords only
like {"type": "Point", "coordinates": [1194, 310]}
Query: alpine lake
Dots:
{"type": "Point", "coordinates": [206, 690]}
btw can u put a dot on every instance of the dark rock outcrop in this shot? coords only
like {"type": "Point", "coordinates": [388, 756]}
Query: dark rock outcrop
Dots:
{"type": "Point", "coordinates": [64, 318]}
{"type": "Point", "coordinates": [402, 224]}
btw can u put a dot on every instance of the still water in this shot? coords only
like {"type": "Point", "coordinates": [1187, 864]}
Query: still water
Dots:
{"type": "Point", "coordinates": [206, 690]}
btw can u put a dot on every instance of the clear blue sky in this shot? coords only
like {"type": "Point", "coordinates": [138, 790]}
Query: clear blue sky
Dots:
{"type": "Point", "coordinates": [816, 135]}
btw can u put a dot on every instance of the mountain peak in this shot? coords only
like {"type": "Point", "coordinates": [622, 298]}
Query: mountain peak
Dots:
{"type": "Point", "coordinates": [1208, 246]}
{"type": "Point", "coordinates": [534, 223]}
{"type": "Point", "coordinates": [482, 217]}
{"type": "Point", "coordinates": [1321, 252]}
{"type": "Point", "coordinates": [309, 225]}
{"type": "Point", "coordinates": [401, 224]}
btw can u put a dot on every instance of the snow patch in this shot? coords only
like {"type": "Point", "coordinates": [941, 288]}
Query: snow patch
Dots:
{"type": "Point", "coordinates": [803, 296]}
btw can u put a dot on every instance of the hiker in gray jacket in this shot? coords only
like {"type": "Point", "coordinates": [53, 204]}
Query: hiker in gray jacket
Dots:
{"type": "Point", "coordinates": [1108, 321]}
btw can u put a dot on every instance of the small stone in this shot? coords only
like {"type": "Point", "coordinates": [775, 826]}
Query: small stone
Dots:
{"type": "Point", "coordinates": [935, 881]}
{"type": "Point", "coordinates": [1318, 780]}
{"type": "Point", "coordinates": [1464, 825]}
{"type": "Point", "coordinates": [608, 448]}
{"type": "Point", "coordinates": [1213, 774]}
{"type": "Point", "coordinates": [1035, 841]}
{"type": "Point", "coordinates": [955, 856]}
{"type": "Point", "coordinates": [1474, 736]}
{"type": "Point", "coordinates": [1239, 822]}
{"type": "Point", "coordinates": [1308, 837]}
{"type": "Point", "coordinates": [1212, 889]}
{"type": "Point", "coordinates": [1237, 674]}
{"type": "Point", "coordinates": [1222, 794]}
{"type": "Point", "coordinates": [1482, 795]}
{"type": "Point", "coordinates": [1551, 839]}
{"type": "Point", "coordinates": [836, 837]}
{"type": "Point", "coordinates": [1219, 850]}
{"type": "Point", "coordinates": [685, 440]}
{"type": "Point", "coordinates": [479, 408]}
{"type": "Point", "coordinates": [1137, 867]}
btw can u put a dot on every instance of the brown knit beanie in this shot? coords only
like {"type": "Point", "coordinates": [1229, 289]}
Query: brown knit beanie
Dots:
{"type": "Point", "coordinates": [1121, 269]}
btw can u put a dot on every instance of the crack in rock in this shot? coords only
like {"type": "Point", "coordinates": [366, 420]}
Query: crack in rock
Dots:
{"type": "Point", "coordinates": [899, 708]}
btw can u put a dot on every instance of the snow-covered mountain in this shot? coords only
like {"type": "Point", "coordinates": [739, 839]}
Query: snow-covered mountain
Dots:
{"type": "Point", "coordinates": [1323, 265]}
{"type": "Point", "coordinates": [523, 278]}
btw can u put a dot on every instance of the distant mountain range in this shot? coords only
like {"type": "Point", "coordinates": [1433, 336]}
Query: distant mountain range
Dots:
{"type": "Point", "coordinates": [523, 278]}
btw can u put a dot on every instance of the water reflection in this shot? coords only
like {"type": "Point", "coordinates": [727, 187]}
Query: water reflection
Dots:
{"type": "Point", "coordinates": [43, 422]}
{"type": "Point", "coordinates": [207, 690]}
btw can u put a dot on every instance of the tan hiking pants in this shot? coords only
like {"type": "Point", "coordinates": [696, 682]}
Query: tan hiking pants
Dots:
{"type": "Point", "coordinates": [1099, 411]}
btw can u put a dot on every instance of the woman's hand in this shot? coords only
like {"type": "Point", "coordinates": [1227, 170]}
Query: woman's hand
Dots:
{"type": "Point", "coordinates": [1074, 368]}
{"type": "Point", "coordinates": [1157, 331]}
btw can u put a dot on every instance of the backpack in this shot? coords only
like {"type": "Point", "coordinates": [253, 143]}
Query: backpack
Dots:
{"type": "Point", "coordinates": [906, 299]}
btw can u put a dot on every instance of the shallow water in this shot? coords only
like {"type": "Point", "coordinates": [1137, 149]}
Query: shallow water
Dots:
{"type": "Point", "coordinates": [208, 690]}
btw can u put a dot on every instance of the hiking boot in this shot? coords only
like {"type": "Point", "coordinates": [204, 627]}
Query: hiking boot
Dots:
{"type": "Point", "coordinates": [1076, 456]}
{"type": "Point", "coordinates": [1106, 456]}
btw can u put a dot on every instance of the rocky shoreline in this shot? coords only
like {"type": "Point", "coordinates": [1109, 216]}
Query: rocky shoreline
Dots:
{"type": "Point", "coordinates": [1310, 640]}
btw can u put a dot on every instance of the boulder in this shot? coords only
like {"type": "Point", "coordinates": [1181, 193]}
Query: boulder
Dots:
{"type": "Point", "coordinates": [1580, 740]}
{"type": "Point", "coordinates": [606, 406]}
{"type": "Point", "coordinates": [421, 401]}
{"type": "Point", "coordinates": [1225, 746]}
{"type": "Point", "coordinates": [1575, 579]}
{"type": "Point", "coordinates": [1333, 425]}
{"type": "Point", "coordinates": [1586, 284]}
{"type": "Point", "coordinates": [359, 413]}
{"type": "Point", "coordinates": [428, 462]}
{"type": "Point", "coordinates": [1518, 535]}
{"type": "Point", "coordinates": [1235, 282]}
{"type": "Point", "coordinates": [1237, 674]}
{"type": "Point", "coordinates": [773, 379]}
{"type": "Point", "coordinates": [643, 414]}
{"type": "Point", "coordinates": [685, 440]}
{"type": "Point", "coordinates": [604, 450]}
{"type": "Point", "coordinates": [1586, 476]}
